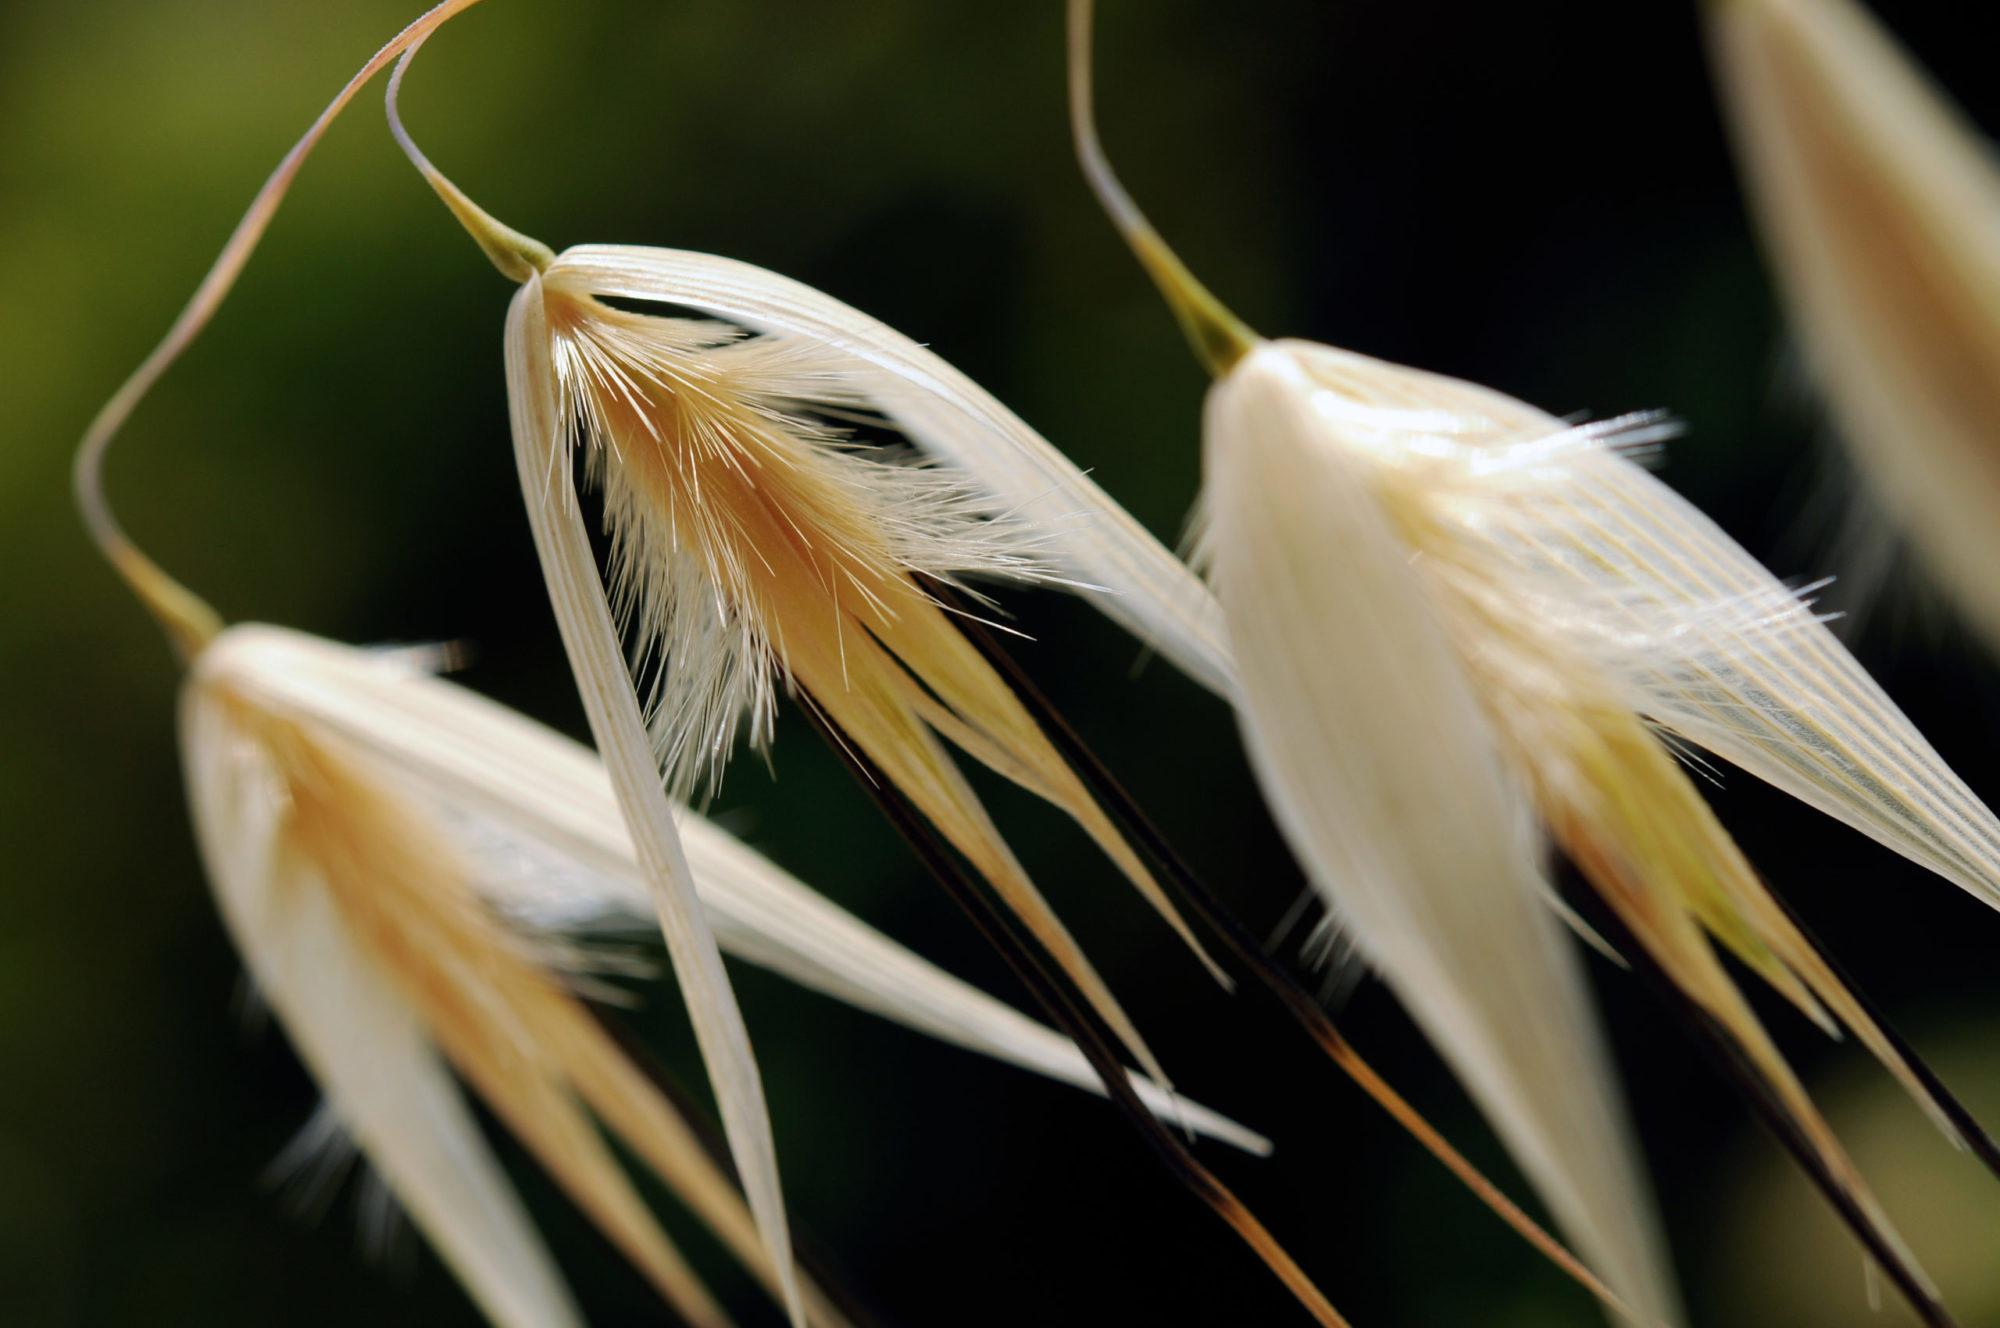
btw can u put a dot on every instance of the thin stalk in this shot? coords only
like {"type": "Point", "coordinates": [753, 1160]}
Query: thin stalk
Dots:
{"type": "Point", "coordinates": [1218, 337]}
{"type": "Point", "coordinates": [188, 620]}
{"type": "Point", "coordinates": [517, 256]}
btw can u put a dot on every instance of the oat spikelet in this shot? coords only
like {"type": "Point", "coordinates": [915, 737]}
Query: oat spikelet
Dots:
{"type": "Point", "coordinates": [1427, 586]}
{"type": "Point", "coordinates": [752, 543]}
{"type": "Point", "coordinates": [1374, 748]}
{"type": "Point", "coordinates": [1879, 204]}
{"type": "Point", "coordinates": [1564, 669]}
{"type": "Point", "coordinates": [535, 816]}
{"type": "Point", "coordinates": [1381, 765]}
{"type": "Point", "coordinates": [361, 924]}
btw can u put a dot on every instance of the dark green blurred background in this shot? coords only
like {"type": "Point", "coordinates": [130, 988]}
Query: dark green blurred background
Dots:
{"type": "Point", "coordinates": [1535, 195]}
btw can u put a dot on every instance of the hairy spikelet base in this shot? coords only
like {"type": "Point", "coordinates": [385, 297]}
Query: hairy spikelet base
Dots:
{"type": "Point", "coordinates": [723, 470]}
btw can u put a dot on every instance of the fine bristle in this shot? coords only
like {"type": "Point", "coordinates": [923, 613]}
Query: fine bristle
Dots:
{"type": "Point", "coordinates": [714, 449]}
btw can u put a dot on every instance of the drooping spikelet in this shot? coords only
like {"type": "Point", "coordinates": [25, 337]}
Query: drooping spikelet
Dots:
{"type": "Point", "coordinates": [1573, 665]}
{"type": "Point", "coordinates": [1878, 202]}
{"type": "Point", "coordinates": [398, 859]}
{"type": "Point", "coordinates": [357, 911]}
{"type": "Point", "coordinates": [1379, 761]}
{"type": "Point", "coordinates": [1429, 587]}
{"type": "Point", "coordinates": [535, 816]}
{"type": "Point", "coordinates": [750, 544]}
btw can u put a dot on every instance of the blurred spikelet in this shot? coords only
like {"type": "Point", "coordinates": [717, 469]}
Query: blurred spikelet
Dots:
{"type": "Point", "coordinates": [1880, 207]}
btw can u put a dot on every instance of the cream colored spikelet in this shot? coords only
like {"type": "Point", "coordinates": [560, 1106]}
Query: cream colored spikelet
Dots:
{"type": "Point", "coordinates": [391, 853]}
{"type": "Point", "coordinates": [534, 814]}
{"type": "Point", "coordinates": [1381, 767]}
{"type": "Point", "coordinates": [1453, 614]}
{"type": "Point", "coordinates": [377, 839]}
{"type": "Point", "coordinates": [359, 919]}
{"type": "Point", "coordinates": [1880, 209]}
{"type": "Point", "coordinates": [752, 547]}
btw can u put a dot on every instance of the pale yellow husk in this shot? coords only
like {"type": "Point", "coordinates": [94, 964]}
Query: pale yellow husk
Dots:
{"type": "Point", "coordinates": [1590, 611]}
{"type": "Point", "coordinates": [750, 547]}
{"type": "Point", "coordinates": [396, 859]}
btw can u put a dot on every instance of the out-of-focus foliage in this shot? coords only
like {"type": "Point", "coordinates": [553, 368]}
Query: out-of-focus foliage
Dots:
{"type": "Point", "coordinates": [1534, 196]}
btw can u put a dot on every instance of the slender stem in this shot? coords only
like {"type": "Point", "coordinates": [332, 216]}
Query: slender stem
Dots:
{"type": "Point", "coordinates": [1218, 337]}
{"type": "Point", "coordinates": [189, 622]}
{"type": "Point", "coordinates": [518, 256]}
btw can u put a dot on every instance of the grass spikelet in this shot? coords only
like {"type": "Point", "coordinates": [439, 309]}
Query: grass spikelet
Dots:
{"type": "Point", "coordinates": [1382, 767]}
{"type": "Point", "coordinates": [1430, 587]}
{"type": "Point", "coordinates": [1877, 201]}
{"type": "Point", "coordinates": [752, 545]}
{"type": "Point", "coordinates": [536, 815]}
{"type": "Point", "coordinates": [748, 547]}
{"type": "Point", "coordinates": [360, 921]}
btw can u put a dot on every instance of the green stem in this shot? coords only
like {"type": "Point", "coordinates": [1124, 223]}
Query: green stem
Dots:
{"type": "Point", "coordinates": [1218, 337]}
{"type": "Point", "coordinates": [518, 256]}
{"type": "Point", "coordinates": [189, 621]}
